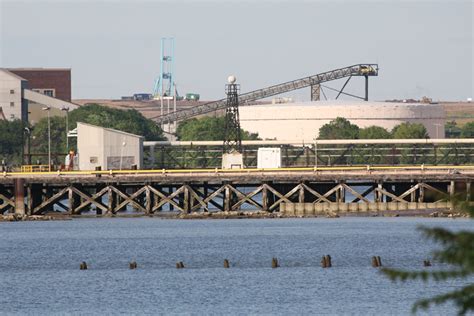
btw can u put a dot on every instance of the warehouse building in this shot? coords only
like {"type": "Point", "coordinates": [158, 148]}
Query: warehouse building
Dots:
{"type": "Point", "coordinates": [302, 121]}
{"type": "Point", "coordinates": [108, 148]}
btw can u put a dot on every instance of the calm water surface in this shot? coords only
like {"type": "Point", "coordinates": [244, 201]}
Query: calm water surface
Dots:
{"type": "Point", "coordinates": [39, 266]}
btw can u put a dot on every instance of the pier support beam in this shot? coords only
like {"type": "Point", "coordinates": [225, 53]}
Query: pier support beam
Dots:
{"type": "Point", "coordinates": [19, 196]}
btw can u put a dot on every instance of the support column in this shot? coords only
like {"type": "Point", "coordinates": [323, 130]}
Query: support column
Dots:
{"type": "Point", "coordinates": [186, 200]}
{"type": "Point", "coordinates": [265, 199]}
{"type": "Point", "coordinates": [366, 88]}
{"type": "Point", "coordinates": [112, 201]}
{"type": "Point", "coordinates": [451, 190]}
{"type": "Point", "coordinates": [34, 193]}
{"type": "Point", "coordinates": [315, 92]}
{"type": "Point", "coordinates": [19, 196]}
{"type": "Point", "coordinates": [421, 197]}
{"type": "Point", "coordinates": [301, 195]}
{"type": "Point", "coordinates": [468, 191]}
{"type": "Point", "coordinates": [227, 199]}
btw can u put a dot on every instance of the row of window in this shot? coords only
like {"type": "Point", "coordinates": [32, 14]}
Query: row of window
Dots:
{"type": "Point", "coordinates": [48, 92]}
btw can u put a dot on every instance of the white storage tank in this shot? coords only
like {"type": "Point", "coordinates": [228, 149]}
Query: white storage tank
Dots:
{"type": "Point", "coordinates": [268, 158]}
{"type": "Point", "coordinates": [302, 120]}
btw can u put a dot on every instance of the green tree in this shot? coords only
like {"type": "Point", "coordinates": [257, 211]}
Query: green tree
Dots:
{"type": "Point", "coordinates": [467, 131]}
{"type": "Point", "coordinates": [11, 141]}
{"type": "Point", "coordinates": [340, 128]}
{"type": "Point", "coordinates": [452, 130]}
{"type": "Point", "coordinates": [374, 132]}
{"type": "Point", "coordinates": [207, 128]}
{"type": "Point", "coordinates": [130, 121]}
{"type": "Point", "coordinates": [458, 252]}
{"type": "Point", "coordinates": [39, 136]}
{"type": "Point", "coordinates": [409, 130]}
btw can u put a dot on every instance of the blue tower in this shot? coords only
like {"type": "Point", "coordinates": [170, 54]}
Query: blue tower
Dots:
{"type": "Point", "coordinates": [165, 83]}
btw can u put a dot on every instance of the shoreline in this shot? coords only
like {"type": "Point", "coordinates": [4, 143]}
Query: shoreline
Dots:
{"type": "Point", "coordinates": [56, 216]}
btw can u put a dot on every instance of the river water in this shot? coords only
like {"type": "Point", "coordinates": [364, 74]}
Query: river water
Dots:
{"type": "Point", "coordinates": [39, 266]}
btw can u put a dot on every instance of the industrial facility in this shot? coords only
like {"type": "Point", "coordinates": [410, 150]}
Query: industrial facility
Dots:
{"type": "Point", "coordinates": [24, 92]}
{"type": "Point", "coordinates": [302, 121]}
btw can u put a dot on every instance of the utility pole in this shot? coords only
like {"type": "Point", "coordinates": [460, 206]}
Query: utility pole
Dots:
{"type": "Point", "coordinates": [48, 109]}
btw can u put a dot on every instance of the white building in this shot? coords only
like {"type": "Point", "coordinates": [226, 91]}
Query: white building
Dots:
{"type": "Point", "coordinates": [12, 102]}
{"type": "Point", "coordinates": [108, 148]}
{"type": "Point", "coordinates": [302, 121]}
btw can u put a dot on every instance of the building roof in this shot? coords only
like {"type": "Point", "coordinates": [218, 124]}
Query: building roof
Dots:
{"type": "Point", "coordinates": [38, 69]}
{"type": "Point", "coordinates": [339, 103]}
{"type": "Point", "coordinates": [12, 74]}
{"type": "Point", "coordinates": [111, 130]}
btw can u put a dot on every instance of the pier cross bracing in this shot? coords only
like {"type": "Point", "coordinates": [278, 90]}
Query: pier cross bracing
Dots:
{"type": "Point", "coordinates": [314, 82]}
{"type": "Point", "coordinates": [290, 191]}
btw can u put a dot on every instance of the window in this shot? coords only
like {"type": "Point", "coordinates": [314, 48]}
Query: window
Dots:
{"type": "Point", "coordinates": [12, 116]}
{"type": "Point", "coordinates": [48, 92]}
{"type": "Point", "coordinates": [12, 103]}
{"type": "Point", "coordinates": [12, 91]}
{"type": "Point", "coordinates": [93, 159]}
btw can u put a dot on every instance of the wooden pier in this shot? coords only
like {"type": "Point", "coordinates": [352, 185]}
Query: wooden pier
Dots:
{"type": "Point", "coordinates": [186, 191]}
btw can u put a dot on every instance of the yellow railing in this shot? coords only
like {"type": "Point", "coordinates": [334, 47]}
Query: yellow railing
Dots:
{"type": "Point", "coordinates": [35, 168]}
{"type": "Point", "coordinates": [43, 170]}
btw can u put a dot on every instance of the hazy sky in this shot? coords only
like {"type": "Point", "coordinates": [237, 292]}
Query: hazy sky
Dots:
{"type": "Point", "coordinates": [113, 47]}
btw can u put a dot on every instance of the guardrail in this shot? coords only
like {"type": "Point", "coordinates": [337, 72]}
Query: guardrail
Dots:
{"type": "Point", "coordinates": [35, 168]}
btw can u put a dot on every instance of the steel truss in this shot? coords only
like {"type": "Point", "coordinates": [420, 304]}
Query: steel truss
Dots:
{"type": "Point", "coordinates": [364, 70]}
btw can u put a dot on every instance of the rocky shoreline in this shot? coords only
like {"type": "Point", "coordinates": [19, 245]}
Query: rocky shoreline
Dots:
{"type": "Point", "coordinates": [231, 215]}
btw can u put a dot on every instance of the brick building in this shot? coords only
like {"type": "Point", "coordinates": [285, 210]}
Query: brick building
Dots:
{"type": "Point", "coordinates": [54, 82]}
{"type": "Point", "coordinates": [25, 93]}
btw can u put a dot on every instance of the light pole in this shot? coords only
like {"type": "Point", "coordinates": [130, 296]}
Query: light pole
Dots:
{"type": "Point", "coordinates": [66, 109]}
{"type": "Point", "coordinates": [48, 108]}
{"type": "Point", "coordinates": [437, 127]}
{"type": "Point", "coordinates": [121, 154]}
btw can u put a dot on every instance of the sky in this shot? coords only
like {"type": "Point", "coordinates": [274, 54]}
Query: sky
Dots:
{"type": "Point", "coordinates": [423, 48]}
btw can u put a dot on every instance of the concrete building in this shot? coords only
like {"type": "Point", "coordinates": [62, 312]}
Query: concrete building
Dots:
{"type": "Point", "coordinates": [107, 148]}
{"type": "Point", "coordinates": [25, 91]}
{"type": "Point", "coordinates": [12, 102]}
{"type": "Point", "coordinates": [302, 121]}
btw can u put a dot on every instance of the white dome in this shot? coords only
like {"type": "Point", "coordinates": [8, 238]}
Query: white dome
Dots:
{"type": "Point", "coordinates": [231, 79]}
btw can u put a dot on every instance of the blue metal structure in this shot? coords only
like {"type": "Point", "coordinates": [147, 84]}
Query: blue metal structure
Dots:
{"type": "Point", "coordinates": [165, 83]}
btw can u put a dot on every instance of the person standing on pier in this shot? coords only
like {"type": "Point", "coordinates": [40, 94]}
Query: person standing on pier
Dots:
{"type": "Point", "coordinates": [69, 161]}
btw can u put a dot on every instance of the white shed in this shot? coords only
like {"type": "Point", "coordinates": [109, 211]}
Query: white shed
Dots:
{"type": "Point", "coordinates": [108, 148]}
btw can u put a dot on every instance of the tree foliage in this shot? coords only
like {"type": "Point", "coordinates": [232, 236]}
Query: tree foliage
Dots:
{"type": "Point", "coordinates": [458, 252]}
{"type": "Point", "coordinates": [207, 128]}
{"type": "Point", "coordinates": [467, 131]}
{"type": "Point", "coordinates": [340, 128]}
{"type": "Point", "coordinates": [374, 132]}
{"type": "Point", "coordinates": [11, 140]}
{"type": "Point", "coordinates": [409, 130]}
{"type": "Point", "coordinates": [452, 130]}
{"type": "Point", "coordinates": [130, 121]}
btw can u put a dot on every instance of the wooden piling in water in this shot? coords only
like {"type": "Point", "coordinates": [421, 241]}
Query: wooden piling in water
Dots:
{"type": "Point", "coordinates": [275, 263]}
{"type": "Point", "coordinates": [133, 265]}
{"type": "Point", "coordinates": [179, 265]}
{"type": "Point", "coordinates": [83, 265]}
{"type": "Point", "coordinates": [376, 262]}
{"type": "Point", "coordinates": [326, 261]}
{"type": "Point", "coordinates": [226, 264]}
